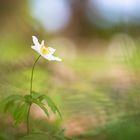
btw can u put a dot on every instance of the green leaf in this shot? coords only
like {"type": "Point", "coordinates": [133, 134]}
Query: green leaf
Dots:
{"type": "Point", "coordinates": [20, 113]}
{"type": "Point", "coordinates": [42, 106]}
{"type": "Point", "coordinates": [35, 95]}
{"type": "Point", "coordinates": [16, 106]}
{"type": "Point", "coordinates": [9, 101]}
{"type": "Point", "coordinates": [52, 105]}
{"type": "Point", "coordinates": [28, 99]}
{"type": "Point", "coordinates": [40, 97]}
{"type": "Point", "coordinates": [8, 105]}
{"type": "Point", "coordinates": [13, 97]}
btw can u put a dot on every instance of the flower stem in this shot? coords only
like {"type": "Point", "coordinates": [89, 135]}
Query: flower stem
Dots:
{"type": "Point", "coordinates": [32, 74]}
{"type": "Point", "coordinates": [31, 85]}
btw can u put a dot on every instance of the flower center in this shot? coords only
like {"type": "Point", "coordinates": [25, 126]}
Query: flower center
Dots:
{"type": "Point", "coordinates": [44, 50]}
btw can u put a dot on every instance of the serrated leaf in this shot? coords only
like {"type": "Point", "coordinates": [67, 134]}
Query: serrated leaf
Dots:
{"type": "Point", "coordinates": [13, 97]}
{"type": "Point", "coordinates": [8, 106]}
{"type": "Point", "coordinates": [52, 105]}
{"type": "Point", "coordinates": [9, 101]}
{"type": "Point", "coordinates": [40, 97]}
{"type": "Point", "coordinates": [35, 95]}
{"type": "Point", "coordinates": [28, 99]}
{"type": "Point", "coordinates": [16, 106]}
{"type": "Point", "coordinates": [20, 113]}
{"type": "Point", "coordinates": [42, 106]}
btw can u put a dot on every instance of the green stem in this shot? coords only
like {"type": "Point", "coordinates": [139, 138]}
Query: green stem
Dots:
{"type": "Point", "coordinates": [28, 120]}
{"type": "Point", "coordinates": [32, 74]}
{"type": "Point", "coordinates": [31, 85]}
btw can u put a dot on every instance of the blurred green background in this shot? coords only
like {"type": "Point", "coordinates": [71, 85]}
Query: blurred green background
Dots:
{"type": "Point", "coordinates": [96, 86]}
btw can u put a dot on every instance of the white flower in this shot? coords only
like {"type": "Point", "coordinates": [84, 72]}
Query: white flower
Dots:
{"type": "Point", "coordinates": [46, 52]}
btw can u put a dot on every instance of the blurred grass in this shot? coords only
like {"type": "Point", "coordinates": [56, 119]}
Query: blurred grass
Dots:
{"type": "Point", "coordinates": [125, 128]}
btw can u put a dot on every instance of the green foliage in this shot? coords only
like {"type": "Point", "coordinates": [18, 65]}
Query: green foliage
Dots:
{"type": "Point", "coordinates": [2, 137]}
{"type": "Point", "coordinates": [41, 105]}
{"type": "Point", "coordinates": [46, 136]}
{"type": "Point", "coordinates": [125, 128]}
{"type": "Point", "coordinates": [42, 100]}
{"type": "Point", "coordinates": [18, 105]}
{"type": "Point", "coordinates": [36, 136]}
{"type": "Point", "coordinates": [20, 113]}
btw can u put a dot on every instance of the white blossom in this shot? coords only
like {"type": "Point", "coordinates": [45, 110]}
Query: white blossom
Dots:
{"type": "Point", "coordinates": [46, 52]}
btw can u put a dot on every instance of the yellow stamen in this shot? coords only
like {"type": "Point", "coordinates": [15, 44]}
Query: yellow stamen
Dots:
{"type": "Point", "coordinates": [44, 50]}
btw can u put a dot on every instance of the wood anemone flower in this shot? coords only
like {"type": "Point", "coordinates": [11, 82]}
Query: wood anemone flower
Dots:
{"type": "Point", "coordinates": [46, 52]}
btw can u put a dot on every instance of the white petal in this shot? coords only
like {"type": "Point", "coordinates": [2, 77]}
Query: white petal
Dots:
{"type": "Point", "coordinates": [36, 49]}
{"type": "Point", "coordinates": [52, 50]}
{"type": "Point", "coordinates": [52, 58]}
{"type": "Point", "coordinates": [42, 43]}
{"type": "Point", "coordinates": [58, 59]}
{"type": "Point", "coordinates": [36, 46]}
{"type": "Point", "coordinates": [35, 41]}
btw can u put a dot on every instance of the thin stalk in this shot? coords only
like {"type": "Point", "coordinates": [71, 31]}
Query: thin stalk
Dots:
{"type": "Point", "coordinates": [28, 120]}
{"type": "Point", "coordinates": [32, 74]}
{"type": "Point", "coordinates": [31, 85]}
